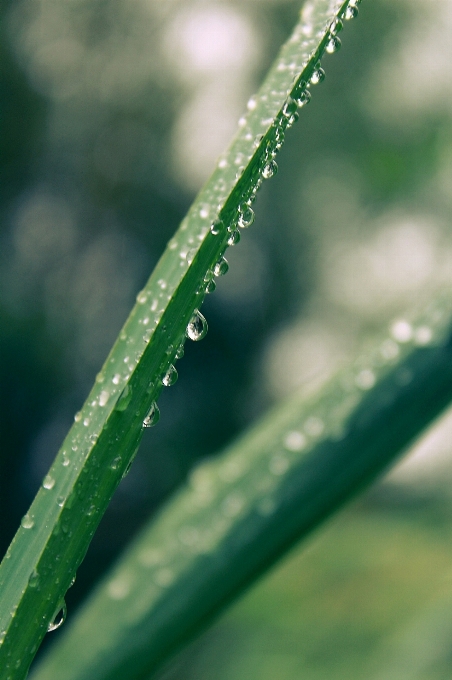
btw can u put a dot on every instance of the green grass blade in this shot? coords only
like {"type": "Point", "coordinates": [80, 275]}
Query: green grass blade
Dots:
{"type": "Point", "coordinates": [244, 509]}
{"type": "Point", "coordinates": [56, 532]}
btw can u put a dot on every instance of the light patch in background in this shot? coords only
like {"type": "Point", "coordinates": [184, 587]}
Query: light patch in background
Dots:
{"type": "Point", "coordinates": [246, 283]}
{"type": "Point", "coordinates": [210, 39]}
{"type": "Point", "coordinates": [304, 354]}
{"type": "Point", "coordinates": [202, 130]}
{"type": "Point", "coordinates": [377, 275]}
{"type": "Point", "coordinates": [415, 76]}
{"type": "Point", "coordinates": [429, 461]}
{"type": "Point", "coordinates": [214, 49]}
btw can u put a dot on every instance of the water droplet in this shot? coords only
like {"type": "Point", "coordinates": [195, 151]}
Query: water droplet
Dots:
{"type": "Point", "coordinates": [48, 482]}
{"type": "Point", "coordinates": [153, 416]}
{"type": "Point", "coordinates": [72, 582]}
{"type": "Point", "coordinates": [103, 397]}
{"type": "Point", "coordinates": [66, 460]}
{"type": "Point", "coordinates": [180, 351]}
{"type": "Point", "coordinates": [58, 618]}
{"type": "Point", "coordinates": [115, 463]}
{"type": "Point", "coordinates": [294, 441]}
{"type": "Point", "coordinates": [142, 297]}
{"type": "Point", "coordinates": [270, 170]}
{"type": "Point", "coordinates": [221, 267]}
{"type": "Point", "coordinates": [27, 522]}
{"type": "Point", "coordinates": [401, 331]}
{"type": "Point", "coordinates": [336, 27]}
{"type": "Point", "coordinates": [246, 217]}
{"type": "Point", "coordinates": [333, 44]}
{"type": "Point", "coordinates": [210, 286]}
{"type": "Point", "coordinates": [317, 76]}
{"type": "Point", "coordinates": [251, 105]}
{"type": "Point", "coordinates": [33, 580]}
{"type": "Point", "coordinates": [78, 416]}
{"type": "Point", "coordinates": [116, 378]}
{"type": "Point", "coordinates": [86, 422]}
{"type": "Point", "coordinates": [234, 238]}
{"type": "Point", "coordinates": [191, 254]}
{"type": "Point", "coordinates": [351, 12]}
{"type": "Point", "coordinates": [197, 327]}
{"type": "Point", "coordinates": [217, 227]}
{"type": "Point", "coordinates": [162, 283]}
{"type": "Point", "coordinates": [289, 108]}
{"type": "Point", "coordinates": [303, 98]}
{"type": "Point", "coordinates": [124, 399]}
{"type": "Point", "coordinates": [170, 376]}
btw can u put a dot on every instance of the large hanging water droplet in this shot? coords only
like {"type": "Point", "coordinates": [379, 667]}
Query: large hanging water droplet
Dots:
{"type": "Point", "coordinates": [221, 267]}
{"type": "Point", "coordinates": [246, 217]}
{"type": "Point", "coordinates": [124, 399]}
{"type": "Point", "coordinates": [170, 376]}
{"type": "Point", "coordinates": [333, 44]}
{"type": "Point", "coordinates": [217, 227]}
{"type": "Point", "coordinates": [234, 238]}
{"type": "Point", "coordinates": [270, 169]}
{"type": "Point", "coordinates": [289, 108]}
{"type": "Point", "coordinates": [351, 12]}
{"type": "Point", "coordinates": [153, 416]}
{"type": "Point", "coordinates": [317, 76]}
{"type": "Point", "coordinates": [58, 618]}
{"type": "Point", "coordinates": [336, 27]}
{"type": "Point", "coordinates": [210, 286]}
{"type": "Point", "coordinates": [197, 327]}
{"type": "Point", "coordinates": [303, 98]}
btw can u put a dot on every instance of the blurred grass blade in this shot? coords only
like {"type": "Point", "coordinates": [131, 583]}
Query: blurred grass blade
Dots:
{"type": "Point", "coordinates": [243, 510]}
{"type": "Point", "coordinates": [56, 532]}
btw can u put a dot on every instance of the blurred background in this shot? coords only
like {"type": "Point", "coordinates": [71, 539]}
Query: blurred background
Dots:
{"type": "Point", "coordinates": [113, 114]}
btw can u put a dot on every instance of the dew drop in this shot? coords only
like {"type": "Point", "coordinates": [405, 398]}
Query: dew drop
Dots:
{"type": "Point", "coordinates": [251, 105]}
{"type": "Point", "coordinates": [333, 44]}
{"type": "Point", "coordinates": [317, 76]}
{"type": "Point", "coordinates": [27, 522]}
{"type": "Point", "coordinates": [78, 416]}
{"type": "Point", "coordinates": [180, 351]}
{"type": "Point", "coordinates": [33, 580]}
{"type": "Point", "coordinates": [153, 416]}
{"type": "Point", "coordinates": [116, 378]}
{"type": "Point", "coordinates": [210, 286]}
{"type": "Point", "coordinates": [351, 12]}
{"type": "Point", "coordinates": [103, 397]}
{"type": "Point", "coordinates": [303, 98]}
{"type": "Point", "coordinates": [197, 327]}
{"type": "Point", "coordinates": [221, 267]}
{"type": "Point", "coordinates": [86, 422]}
{"type": "Point", "coordinates": [48, 482]}
{"type": "Point", "coordinates": [170, 376]}
{"type": "Point", "coordinates": [66, 460]}
{"type": "Point", "coordinates": [336, 26]}
{"type": "Point", "coordinates": [162, 283]}
{"type": "Point", "coordinates": [115, 463]}
{"type": "Point", "coordinates": [142, 297]}
{"type": "Point", "coordinates": [217, 227]}
{"type": "Point", "coordinates": [124, 399]}
{"type": "Point", "coordinates": [234, 238]}
{"type": "Point", "coordinates": [246, 217]}
{"type": "Point", "coordinates": [289, 108]}
{"type": "Point", "coordinates": [270, 170]}
{"type": "Point", "coordinates": [58, 618]}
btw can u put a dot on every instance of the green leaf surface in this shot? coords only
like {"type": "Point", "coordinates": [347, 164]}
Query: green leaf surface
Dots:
{"type": "Point", "coordinates": [242, 510]}
{"type": "Point", "coordinates": [56, 532]}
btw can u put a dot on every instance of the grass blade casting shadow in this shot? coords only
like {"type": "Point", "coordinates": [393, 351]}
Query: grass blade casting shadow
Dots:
{"type": "Point", "coordinates": [55, 533]}
{"type": "Point", "coordinates": [242, 510]}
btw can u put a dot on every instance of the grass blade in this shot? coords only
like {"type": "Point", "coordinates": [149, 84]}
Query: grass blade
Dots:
{"type": "Point", "coordinates": [244, 509]}
{"type": "Point", "coordinates": [55, 533]}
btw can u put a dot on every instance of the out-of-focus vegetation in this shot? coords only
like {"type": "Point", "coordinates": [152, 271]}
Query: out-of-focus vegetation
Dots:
{"type": "Point", "coordinates": [113, 116]}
